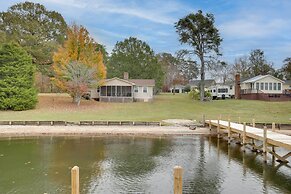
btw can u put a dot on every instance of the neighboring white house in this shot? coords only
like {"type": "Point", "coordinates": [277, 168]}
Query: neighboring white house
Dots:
{"type": "Point", "coordinates": [287, 87]}
{"type": "Point", "coordinates": [124, 90]}
{"type": "Point", "coordinates": [262, 84]}
{"type": "Point", "coordinates": [177, 89]}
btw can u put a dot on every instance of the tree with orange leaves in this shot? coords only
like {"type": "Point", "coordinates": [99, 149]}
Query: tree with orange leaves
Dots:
{"type": "Point", "coordinates": [77, 65]}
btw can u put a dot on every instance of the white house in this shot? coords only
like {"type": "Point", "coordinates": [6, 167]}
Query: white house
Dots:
{"type": "Point", "coordinates": [287, 87]}
{"type": "Point", "coordinates": [124, 90]}
{"type": "Point", "coordinates": [177, 89]}
{"type": "Point", "coordinates": [262, 84]}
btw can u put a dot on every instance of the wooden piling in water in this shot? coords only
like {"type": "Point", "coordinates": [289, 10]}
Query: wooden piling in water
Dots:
{"type": "Point", "coordinates": [273, 126]}
{"type": "Point", "coordinates": [203, 119]}
{"type": "Point", "coordinates": [265, 144]}
{"type": "Point", "coordinates": [244, 137]}
{"type": "Point", "coordinates": [75, 180]}
{"type": "Point", "coordinates": [254, 123]}
{"type": "Point", "coordinates": [229, 131]}
{"type": "Point", "coordinates": [238, 120]}
{"type": "Point", "coordinates": [218, 129]}
{"type": "Point", "coordinates": [178, 180]}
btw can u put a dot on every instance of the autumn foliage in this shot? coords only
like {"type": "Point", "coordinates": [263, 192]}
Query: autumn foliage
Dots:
{"type": "Point", "coordinates": [79, 48]}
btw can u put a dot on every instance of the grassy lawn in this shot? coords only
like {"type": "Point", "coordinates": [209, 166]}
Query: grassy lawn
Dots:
{"type": "Point", "coordinates": [165, 106]}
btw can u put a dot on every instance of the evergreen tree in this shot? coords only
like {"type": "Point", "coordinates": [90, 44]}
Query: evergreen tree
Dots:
{"type": "Point", "coordinates": [17, 90]}
{"type": "Point", "coordinates": [137, 58]}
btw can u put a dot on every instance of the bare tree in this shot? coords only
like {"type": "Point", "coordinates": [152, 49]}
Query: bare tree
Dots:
{"type": "Point", "coordinates": [79, 78]}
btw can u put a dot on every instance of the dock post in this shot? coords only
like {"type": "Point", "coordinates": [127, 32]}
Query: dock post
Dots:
{"type": "Point", "coordinates": [178, 179]}
{"type": "Point", "coordinates": [265, 144]}
{"type": "Point", "coordinates": [229, 131]}
{"type": "Point", "coordinates": [75, 180]}
{"type": "Point", "coordinates": [238, 120]}
{"type": "Point", "coordinates": [218, 129]}
{"type": "Point", "coordinates": [273, 126]}
{"type": "Point", "coordinates": [203, 120]}
{"type": "Point", "coordinates": [244, 137]}
{"type": "Point", "coordinates": [254, 123]}
{"type": "Point", "coordinates": [209, 125]}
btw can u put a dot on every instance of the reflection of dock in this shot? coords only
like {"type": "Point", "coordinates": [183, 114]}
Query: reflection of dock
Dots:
{"type": "Point", "coordinates": [248, 135]}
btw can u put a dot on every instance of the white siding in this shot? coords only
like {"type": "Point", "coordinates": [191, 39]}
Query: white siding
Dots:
{"type": "Point", "coordinates": [140, 95]}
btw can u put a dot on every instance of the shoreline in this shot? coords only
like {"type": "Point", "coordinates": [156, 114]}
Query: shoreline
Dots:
{"type": "Point", "coordinates": [90, 131]}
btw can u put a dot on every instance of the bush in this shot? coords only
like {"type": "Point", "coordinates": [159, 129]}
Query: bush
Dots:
{"type": "Point", "coordinates": [195, 94]}
{"type": "Point", "coordinates": [17, 90]}
{"type": "Point", "coordinates": [187, 88]}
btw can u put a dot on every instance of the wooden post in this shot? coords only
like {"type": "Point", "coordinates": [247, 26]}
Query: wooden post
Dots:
{"type": "Point", "coordinates": [238, 120]}
{"type": "Point", "coordinates": [244, 137]}
{"type": "Point", "coordinates": [218, 129]}
{"type": "Point", "coordinates": [273, 126]}
{"type": "Point", "coordinates": [178, 182]}
{"type": "Point", "coordinates": [229, 131]}
{"type": "Point", "coordinates": [75, 180]}
{"type": "Point", "coordinates": [209, 125]}
{"type": "Point", "coordinates": [254, 123]}
{"type": "Point", "coordinates": [203, 120]}
{"type": "Point", "coordinates": [265, 144]}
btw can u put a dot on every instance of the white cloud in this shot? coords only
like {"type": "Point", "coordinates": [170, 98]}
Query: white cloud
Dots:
{"type": "Point", "coordinates": [251, 28]}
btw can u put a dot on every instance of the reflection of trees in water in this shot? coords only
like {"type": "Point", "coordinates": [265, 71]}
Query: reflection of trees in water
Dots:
{"type": "Point", "coordinates": [133, 159]}
{"type": "Point", "coordinates": [19, 165]}
{"type": "Point", "coordinates": [87, 153]}
{"type": "Point", "coordinates": [205, 177]}
{"type": "Point", "coordinates": [268, 172]}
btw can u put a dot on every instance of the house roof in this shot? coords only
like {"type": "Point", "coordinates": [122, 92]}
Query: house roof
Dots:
{"type": "Point", "coordinates": [143, 82]}
{"type": "Point", "coordinates": [259, 77]}
{"type": "Point", "coordinates": [137, 82]}
{"type": "Point", "coordinates": [287, 82]}
{"type": "Point", "coordinates": [207, 82]}
{"type": "Point", "coordinates": [122, 80]}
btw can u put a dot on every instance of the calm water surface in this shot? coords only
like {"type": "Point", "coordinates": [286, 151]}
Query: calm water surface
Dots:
{"type": "Point", "coordinates": [136, 165]}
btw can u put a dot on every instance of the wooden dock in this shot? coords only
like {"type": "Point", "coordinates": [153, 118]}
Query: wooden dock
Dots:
{"type": "Point", "coordinates": [246, 135]}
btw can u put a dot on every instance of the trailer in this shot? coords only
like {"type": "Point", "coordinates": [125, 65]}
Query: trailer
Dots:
{"type": "Point", "coordinates": [221, 92]}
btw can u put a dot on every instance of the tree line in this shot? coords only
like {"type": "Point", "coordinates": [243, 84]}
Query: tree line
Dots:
{"type": "Point", "coordinates": [62, 57]}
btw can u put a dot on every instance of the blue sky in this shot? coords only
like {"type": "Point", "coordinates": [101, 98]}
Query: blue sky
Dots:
{"type": "Point", "coordinates": [244, 24]}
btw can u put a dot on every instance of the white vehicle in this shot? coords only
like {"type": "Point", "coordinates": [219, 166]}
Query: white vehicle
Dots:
{"type": "Point", "coordinates": [220, 92]}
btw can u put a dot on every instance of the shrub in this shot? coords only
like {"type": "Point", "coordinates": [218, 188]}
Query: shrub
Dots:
{"type": "Point", "coordinates": [195, 94]}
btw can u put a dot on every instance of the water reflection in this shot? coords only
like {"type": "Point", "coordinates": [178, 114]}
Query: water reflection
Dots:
{"type": "Point", "coordinates": [136, 165]}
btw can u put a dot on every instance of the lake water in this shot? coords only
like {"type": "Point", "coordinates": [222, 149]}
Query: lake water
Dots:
{"type": "Point", "coordinates": [136, 165]}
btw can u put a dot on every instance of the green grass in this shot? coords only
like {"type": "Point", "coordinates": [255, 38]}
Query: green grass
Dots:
{"type": "Point", "coordinates": [165, 106]}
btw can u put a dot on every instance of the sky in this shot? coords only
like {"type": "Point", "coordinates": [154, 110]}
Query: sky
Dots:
{"type": "Point", "coordinates": [244, 25]}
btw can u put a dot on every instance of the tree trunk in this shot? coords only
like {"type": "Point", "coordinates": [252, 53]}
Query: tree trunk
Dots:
{"type": "Point", "coordinates": [202, 78]}
{"type": "Point", "coordinates": [77, 99]}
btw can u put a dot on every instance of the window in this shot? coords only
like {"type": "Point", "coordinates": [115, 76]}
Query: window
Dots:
{"type": "Point", "coordinates": [262, 86]}
{"type": "Point", "coordinates": [257, 86]}
{"type": "Point", "coordinates": [266, 86]}
{"type": "Point", "coordinates": [98, 89]}
{"type": "Point", "coordinates": [135, 89]}
{"type": "Point", "coordinates": [270, 86]}
{"type": "Point", "coordinates": [145, 90]}
{"type": "Point", "coordinates": [230, 87]}
{"type": "Point", "coordinates": [222, 90]}
{"type": "Point", "coordinates": [275, 86]}
{"type": "Point", "coordinates": [214, 90]}
{"type": "Point", "coordinates": [279, 86]}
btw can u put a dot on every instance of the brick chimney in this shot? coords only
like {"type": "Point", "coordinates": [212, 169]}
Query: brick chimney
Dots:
{"type": "Point", "coordinates": [125, 75]}
{"type": "Point", "coordinates": [237, 86]}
